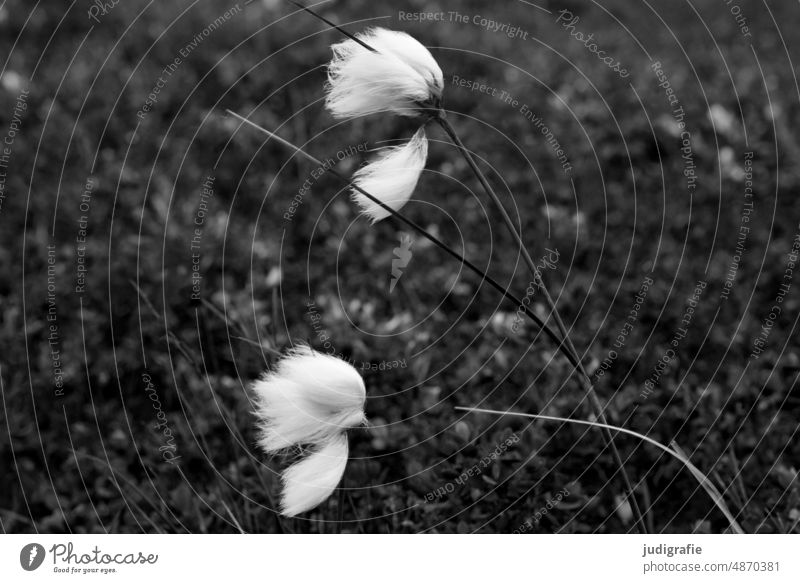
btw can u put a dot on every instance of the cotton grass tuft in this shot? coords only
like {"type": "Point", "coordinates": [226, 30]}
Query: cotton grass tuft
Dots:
{"type": "Point", "coordinates": [309, 400]}
{"type": "Point", "coordinates": [313, 479]}
{"type": "Point", "coordinates": [391, 176]}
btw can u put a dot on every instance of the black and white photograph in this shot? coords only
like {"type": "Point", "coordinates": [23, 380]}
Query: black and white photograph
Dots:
{"type": "Point", "coordinates": [282, 268]}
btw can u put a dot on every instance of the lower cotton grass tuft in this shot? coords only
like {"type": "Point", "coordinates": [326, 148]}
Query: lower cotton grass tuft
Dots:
{"type": "Point", "coordinates": [391, 176]}
{"type": "Point", "coordinates": [311, 481]}
{"type": "Point", "coordinates": [309, 400]}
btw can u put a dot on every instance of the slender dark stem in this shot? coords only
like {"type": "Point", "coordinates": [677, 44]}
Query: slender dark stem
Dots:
{"type": "Point", "coordinates": [340, 505]}
{"type": "Point", "coordinates": [333, 25]}
{"type": "Point", "coordinates": [583, 376]}
{"type": "Point", "coordinates": [403, 219]}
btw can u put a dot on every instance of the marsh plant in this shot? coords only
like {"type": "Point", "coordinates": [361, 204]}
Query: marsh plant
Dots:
{"type": "Point", "coordinates": [310, 401]}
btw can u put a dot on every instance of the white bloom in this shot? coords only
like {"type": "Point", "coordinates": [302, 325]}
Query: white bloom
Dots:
{"type": "Point", "coordinates": [391, 176]}
{"type": "Point", "coordinates": [399, 76]}
{"type": "Point", "coordinates": [310, 399]}
{"type": "Point", "coordinates": [312, 480]}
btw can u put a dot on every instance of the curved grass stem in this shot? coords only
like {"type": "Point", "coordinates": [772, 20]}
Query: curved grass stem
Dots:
{"type": "Point", "coordinates": [675, 452]}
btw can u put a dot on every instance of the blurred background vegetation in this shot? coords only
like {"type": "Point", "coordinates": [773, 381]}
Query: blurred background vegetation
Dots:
{"type": "Point", "coordinates": [89, 460]}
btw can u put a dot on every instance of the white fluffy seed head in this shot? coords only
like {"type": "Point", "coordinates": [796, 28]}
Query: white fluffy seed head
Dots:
{"type": "Point", "coordinates": [398, 76]}
{"type": "Point", "coordinates": [391, 176]}
{"type": "Point", "coordinates": [312, 480]}
{"type": "Point", "coordinates": [307, 399]}
{"type": "Point", "coordinates": [310, 399]}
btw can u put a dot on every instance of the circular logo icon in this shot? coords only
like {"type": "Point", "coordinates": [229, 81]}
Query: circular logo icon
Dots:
{"type": "Point", "coordinates": [31, 556]}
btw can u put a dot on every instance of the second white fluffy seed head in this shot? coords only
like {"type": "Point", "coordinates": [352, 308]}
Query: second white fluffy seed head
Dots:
{"type": "Point", "coordinates": [391, 176]}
